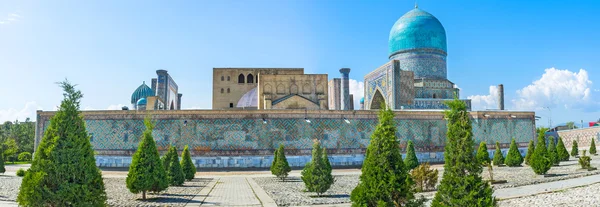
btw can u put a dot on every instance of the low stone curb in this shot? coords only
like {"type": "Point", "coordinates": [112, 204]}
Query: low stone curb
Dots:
{"type": "Point", "coordinates": [204, 193]}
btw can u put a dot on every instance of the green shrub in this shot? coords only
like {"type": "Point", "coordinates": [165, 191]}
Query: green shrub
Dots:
{"type": "Point", "coordinates": [540, 161]}
{"type": "Point", "coordinates": [593, 147]}
{"type": "Point", "coordinates": [20, 172]}
{"type": "Point", "coordinates": [530, 150]}
{"type": "Point", "coordinates": [175, 173]}
{"type": "Point", "coordinates": [425, 178]}
{"type": "Point", "coordinates": [2, 169]}
{"type": "Point", "coordinates": [411, 160]}
{"type": "Point", "coordinates": [462, 184]}
{"type": "Point", "coordinates": [317, 175]}
{"type": "Point", "coordinates": [24, 156]}
{"type": "Point", "coordinates": [552, 153]}
{"type": "Point", "coordinates": [498, 157]}
{"type": "Point", "coordinates": [274, 163]}
{"type": "Point", "coordinates": [514, 157]}
{"type": "Point", "coordinates": [187, 165]}
{"type": "Point", "coordinates": [574, 149]}
{"type": "Point", "coordinates": [282, 168]}
{"type": "Point", "coordinates": [563, 154]}
{"type": "Point", "coordinates": [584, 161]}
{"type": "Point", "coordinates": [483, 156]}
{"type": "Point", "coordinates": [64, 171]}
{"type": "Point", "coordinates": [146, 172]}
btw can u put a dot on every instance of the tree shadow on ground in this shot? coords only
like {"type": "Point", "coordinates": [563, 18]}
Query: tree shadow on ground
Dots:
{"type": "Point", "coordinates": [331, 196]}
{"type": "Point", "coordinates": [163, 199]}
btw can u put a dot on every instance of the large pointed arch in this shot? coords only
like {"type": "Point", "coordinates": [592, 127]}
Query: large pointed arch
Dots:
{"type": "Point", "coordinates": [377, 100]}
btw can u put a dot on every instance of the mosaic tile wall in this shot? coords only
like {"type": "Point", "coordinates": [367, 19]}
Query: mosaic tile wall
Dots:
{"type": "Point", "coordinates": [430, 65]}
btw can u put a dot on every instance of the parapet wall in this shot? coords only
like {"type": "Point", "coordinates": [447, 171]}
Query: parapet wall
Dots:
{"type": "Point", "coordinates": [583, 136]}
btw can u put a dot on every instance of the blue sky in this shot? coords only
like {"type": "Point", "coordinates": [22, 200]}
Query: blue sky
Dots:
{"type": "Point", "coordinates": [544, 52]}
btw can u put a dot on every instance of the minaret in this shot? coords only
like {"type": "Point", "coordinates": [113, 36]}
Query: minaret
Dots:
{"type": "Point", "coordinates": [345, 92]}
{"type": "Point", "coordinates": [501, 97]}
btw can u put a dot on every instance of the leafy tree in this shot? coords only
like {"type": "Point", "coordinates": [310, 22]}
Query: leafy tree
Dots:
{"type": "Point", "coordinates": [483, 156]}
{"type": "Point", "coordinates": [540, 161]}
{"type": "Point", "coordinates": [64, 171]}
{"type": "Point", "coordinates": [425, 178]}
{"type": "Point", "coordinates": [317, 175]}
{"type": "Point", "coordinates": [552, 153]}
{"type": "Point", "coordinates": [571, 125]}
{"type": "Point", "coordinates": [563, 154]}
{"type": "Point", "coordinates": [2, 169]}
{"type": "Point", "coordinates": [593, 147]}
{"type": "Point", "coordinates": [384, 180]}
{"type": "Point", "coordinates": [574, 149]}
{"type": "Point", "coordinates": [25, 156]}
{"type": "Point", "coordinates": [10, 149]}
{"type": "Point", "coordinates": [175, 173]}
{"type": "Point", "coordinates": [146, 172]}
{"type": "Point", "coordinates": [530, 150]}
{"type": "Point", "coordinates": [411, 161]}
{"type": "Point", "coordinates": [188, 167]}
{"type": "Point", "coordinates": [462, 184]}
{"type": "Point", "coordinates": [498, 157]}
{"type": "Point", "coordinates": [514, 157]}
{"type": "Point", "coordinates": [282, 168]}
{"type": "Point", "coordinates": [274, 163]}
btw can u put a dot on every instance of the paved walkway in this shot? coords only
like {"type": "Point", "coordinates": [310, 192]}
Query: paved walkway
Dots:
{"type": "Point", "coordinates": [232, 191]}
{"type": "Point", "coordinates": [508, 193]}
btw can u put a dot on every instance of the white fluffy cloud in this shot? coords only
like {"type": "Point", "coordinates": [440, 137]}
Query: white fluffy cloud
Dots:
{"type": "Point", "coordinates": [482, 102]}
{"type": "Point", "coordinates": [556, 88]}
{"type": "Point", "coordinates": [357, 90]}
{"type": "Point", "coordinates": [12, 17]}
{"type": "Point", "coordinates": [28, 111]}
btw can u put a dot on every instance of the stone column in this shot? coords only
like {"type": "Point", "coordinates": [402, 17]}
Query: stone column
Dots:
{"type": "Point", "coordinates": [345, 89]}
{"type": "Point", "coordinates": [501, 97]}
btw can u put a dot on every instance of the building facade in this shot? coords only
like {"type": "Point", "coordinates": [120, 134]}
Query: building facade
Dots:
{"type": "Point", "coordinates": [164, 94]}
{"type": "Point", "coordinates": [334, 94]}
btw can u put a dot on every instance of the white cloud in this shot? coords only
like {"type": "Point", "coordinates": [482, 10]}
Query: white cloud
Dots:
{"type": "Point", "coordinates": [12, 17]}
{"type": "Point", "coordinates": [556, 88]}
{"type": "Point", "coordinates": [357, 90]}
{"type": "Point", "coordinates": [28, 111]}
{"type": "Point", "coordinates": [482, 102]}
{"type": "Point", "coordinates": [115, 107]}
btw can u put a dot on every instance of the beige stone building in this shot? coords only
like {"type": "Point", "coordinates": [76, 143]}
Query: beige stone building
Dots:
{"type": "Point", "coordinates": [268, 88]}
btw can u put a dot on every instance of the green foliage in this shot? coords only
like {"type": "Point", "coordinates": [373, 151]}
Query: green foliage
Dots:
{"type": "Point", "coordinates": [584, 161]}
{"type": "Point", "coordinates": [540, 161]}
{"type": "Point", "coordinates": [21, 132]}
{"type": "Point", "coordinates": [574, 149]}
{"type": "Point", "coordinates": [188, 167]}
{"type": "Point", "coordinates": [25, 156]}
{"type": "Point", "coordinates": [2, 169]}
{"type": "Point", "coordinates": [384, 180]}
{"type": "Point", "coordinates": [274, 163]}
{"type": "Point", "coordinates": [281, 167]}
{"type": "Point", "coordinates": [326, 161]}
{"type": "Point", "coordinates": [10, 148]}
{"type": "Point", "coordinates": [64, 171]}
{"type": "Point", "coordinates": [174, 173]}
{"type": "Point", "coordinates": [563, 154]}
{"type": "Point", "coordinates": [483, 156]}
{"type": "Point", "coordinates": [593, 147]}
{"type": "Point", "coordinates": [411, 161]}
{"type": "Point", "coordinates": [552, 153]}
{"type": "Point", "coordinates": [166, 159]}
{"type": "Point", "coordinates": [425, 178]}
{"type": "Point", "coordinates": [530, 150]}
{"type": "Point", "coordinates": [498, 157]}
{"type": "Point", "coordinates": [146, 172]}
{"type": "Point", "coordinates": [317, 175]}
{"type": "Point", "coordinates": [514, 157]}
{"type": "Point", "coordinates": [20, 172]}
{"type": "Point", "coordinates": [462, 184]}
{"type": "Point", "coordinates": [571, 125]}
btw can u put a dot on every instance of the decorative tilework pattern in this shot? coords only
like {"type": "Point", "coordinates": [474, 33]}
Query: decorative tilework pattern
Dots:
{"type": "Point", "coordinates": [417, 29]}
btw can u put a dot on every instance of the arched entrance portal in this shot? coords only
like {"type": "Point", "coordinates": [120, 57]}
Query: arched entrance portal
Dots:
{"type": "Point", "coordinates": [377, 100]}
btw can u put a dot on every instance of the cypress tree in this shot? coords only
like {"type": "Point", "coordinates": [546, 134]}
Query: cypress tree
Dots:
{"type": "Point", "coordinates": [274, 163]}
{"type": "Point", "coordinates": [146, 172]}
{"type": "Point", "coordinates": [2, 169]}
{"type": "Point", "coordinates": [514, 157]}
{"type": "Point", "coordinates": [175, 173]}
{"type": "Point", "coordinates": [187, 165]}
{"type": "Point", "coordinates": [563, 154]}
{"type": "Point", "coordinates": [574, 149]}
{"type": "Point", "coordinates": [326, 161]}
{"type": "Point", "coordinates": [530, 150]}
{"type": "Point", "coordinates": [540, 160]}
{"type": "Point", "coordinates": [411, 161]}
{"type": "Point", "coordinates": [64, 171]}
{"type": "Point", "coordinates": [166, 159]}
{"type": "Point", "coordinates": [483, 156]}
{"type": "Point", "coordinates": [552, 153]}
{"type": "Point", "coordinates": [498, 157]}
{"type": "Point", "coordinates": [282, 168]}
{"type": "Point", "coordinates": [462, 184]}
{"type": "Point", "coordinates": [384, 180]}
{"type": "Point", "coordinates": [317, 175]}
{"type": "Point", "coordinates": [593, 147]}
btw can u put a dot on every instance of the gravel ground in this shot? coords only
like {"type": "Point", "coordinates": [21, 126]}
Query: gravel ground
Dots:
{"type": "Point", "coordinates": [581, 196]}
{"type": "Point", "coordinates": [119, 195]}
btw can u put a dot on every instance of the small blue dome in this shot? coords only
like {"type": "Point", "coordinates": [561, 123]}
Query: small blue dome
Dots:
{"type": "Point", "coordinates": [142, 91]}
{"type": "Point", "coordinates": [362, 100]}
{"type": "Point", "coordinates": [417, 29]}
{"type": "Point", "coordinates": [141, 102]}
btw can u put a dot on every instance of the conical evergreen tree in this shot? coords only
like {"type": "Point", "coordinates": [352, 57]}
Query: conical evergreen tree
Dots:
{"type": "Point", "coordinates": [411, 161]}
{"type": "Point", "coordinates": [530, 150]}
{"type": "Point", "coordinates": [146, 172]}
{"type": "Point", "coordinates": [498, 157]}
{"type": "Point", "coordinates": [540, 161]}
{"type": "Point", "coordinates": [563, 154]}
{"type": "Point", "coordinates": [282, 168]}
{"type": "Point", "coordinates": [593, 147]}
{"type": "Point", "coordinates": [317, 175]}
{"type": "Point", "coordinates": [552, 153]}
{"type": "Point", "coordinates": [64, 171]}
{"type": "Point", "coordinates": [274, 163]}
{"type": "Point", "coordinates": [166, 159]}
{"type": "Point", "coordinates": [326, 161]}
{"type": "Point", "coordinates": [514, 157]}
{"type": "Point", "coordinates": [187, 165]}
{"type": "Point", "coordinates": [175, 174]}
{"type": "Point", "coordinates": [574, 149]}
{"type": "Point", "coordinates": [2, 169]}
{"type": "Point", "coordinates": [483, 156]}
{"type": "Point", "coordinates": [461, 183]}
{"type": "Point", "coordinates": [384, 180]}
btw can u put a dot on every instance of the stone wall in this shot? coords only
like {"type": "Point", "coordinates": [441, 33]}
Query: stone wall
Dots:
{"type": "Point", "coordinates": [293, 91]}
{"type": "Point", "coordinates": [583, 137]}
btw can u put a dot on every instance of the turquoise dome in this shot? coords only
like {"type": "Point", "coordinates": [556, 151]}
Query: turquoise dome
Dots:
{"type": "Point", "coordinates": [417, 29]}
{"type": "Point", "coordinates": [142, 102]}
{"type": "Point", "coordinates": [142, 91]}
{"type": "Point", "coordinates": [362, 100]}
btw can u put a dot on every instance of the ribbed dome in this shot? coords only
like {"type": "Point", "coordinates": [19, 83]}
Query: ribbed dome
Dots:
{"type": "Point", "coordinates": [249, 100]}
{"type": "Point", "coordinates": [142, 101]}
{"type": "Point", "coordinates": [417, 29]}
{"type": "Point", "coordinates": [141, 92]}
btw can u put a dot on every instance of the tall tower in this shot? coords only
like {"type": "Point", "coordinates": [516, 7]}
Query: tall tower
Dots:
{"type": "Point", "coordinates": [334, 94]}
{"type": "Point", "coordinates": [345, 94]}
{"type": "Point", "coordinates": [501, 97]}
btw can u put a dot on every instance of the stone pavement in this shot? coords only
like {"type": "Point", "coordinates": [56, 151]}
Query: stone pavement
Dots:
{"type": "Point", "coordinates": [232, 191]}
{"type": "Point", "coordinates": [508, 193]}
